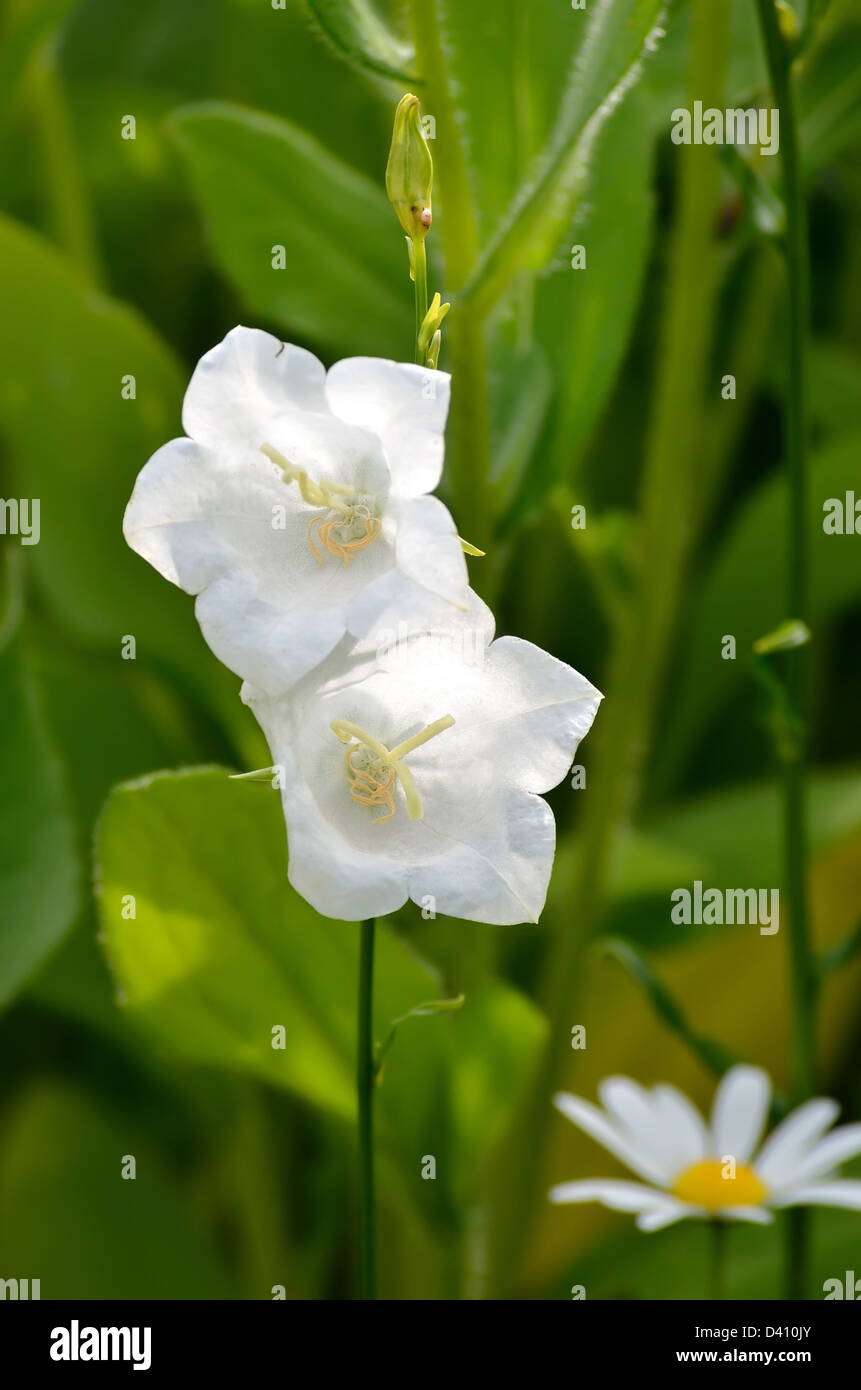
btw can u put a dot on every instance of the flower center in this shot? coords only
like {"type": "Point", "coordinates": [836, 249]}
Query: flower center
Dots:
{"type": "Point", "coordinates": [349, 522]}
{"type": "Point", "coordinates": [710, 1183]}
{"type": "Point", "coordinates": [373, 769]}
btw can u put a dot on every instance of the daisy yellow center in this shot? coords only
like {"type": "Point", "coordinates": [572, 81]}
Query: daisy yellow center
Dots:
{"type": "Point", "coordinates": [373, 769]}
{"type": "Point", "coordinates": [348, 522]}
{"type": "Point", "coordinates": [714, 1183]}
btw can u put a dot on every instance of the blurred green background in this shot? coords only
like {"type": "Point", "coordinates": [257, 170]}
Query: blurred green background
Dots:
{"type": "Point", "coordinates": [150, 1036]}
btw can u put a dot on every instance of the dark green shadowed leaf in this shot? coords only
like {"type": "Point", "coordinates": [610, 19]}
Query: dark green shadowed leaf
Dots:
{"type": "Point", "coordinates": [262, 184]}
{"type": "Point", "coordinates": [39, 874]}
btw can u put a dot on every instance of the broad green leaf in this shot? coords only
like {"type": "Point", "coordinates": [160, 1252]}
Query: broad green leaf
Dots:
{"type": "Point", "coordinates": [69, 1218]}
{"type": "Point", "coordinates": [39, 874]}
{"type": "Point", "coordinates": [607, 62]}
{"type": "Point", "coordinates": [357, 33]}
{"type": "Point", "coordinates": [75, 442]}
{"type": "Point", "coordinates": [743, 594]}
{"type": "Point", "coordinates": [262, 184]}
{"type": "Point", "coordinates": [221, 950]}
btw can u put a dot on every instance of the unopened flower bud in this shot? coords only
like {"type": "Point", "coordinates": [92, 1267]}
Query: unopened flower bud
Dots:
{"type": "Point", "coordinates": [409, 172]}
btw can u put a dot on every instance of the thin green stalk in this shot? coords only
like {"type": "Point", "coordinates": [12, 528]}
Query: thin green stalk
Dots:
{"type": "Point", "coordinates": [717, 1260]}
{"type": "Point", "coordinates": [643, 643]}
{"type": "Point", "coordinates": [365, 1083]}
{"type": "Point", "coordinates": [469, 418]}
{"type": "Point", "coordinates": [802, 971]}
{"type": "Point", "coordinates": [420, 276]}
{"type": "Point", "coordinates": [795, 832]}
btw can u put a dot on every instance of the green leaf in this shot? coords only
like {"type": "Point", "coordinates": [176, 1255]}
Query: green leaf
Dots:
{"type": "Point", "coordinates": [588, 314]}
{"type": "Point", "coordinates": [39, 875]}
{"type": "Point", "coordinates": [841, 954]}
{"type": "Point", "coordinates": [264, 183]}
{"type": "Point", "coordinates": [357, 33]}
{"type": "Point", "coordinates": [429, 1009]}
{"type": "Point", "coordinates": [221, 950]}
{"type": "Point", "coordinates": [60, 1171]}
{"type": "Point", "coordinates": [607, 62]}
{"type": "Point", "coordinates": [829, 98]}
{"type": "Point", "coordinates": [754, 545]}
{"type": "Point", "coordinates": [712, 1054]}
{"type": "Point", "coordinates": [74, 442]}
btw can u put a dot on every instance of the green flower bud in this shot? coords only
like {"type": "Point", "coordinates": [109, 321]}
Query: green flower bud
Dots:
{"type": "Point", "coordinates": [431, 326]}
{"type": "Point", "coordinates": [409, 172]}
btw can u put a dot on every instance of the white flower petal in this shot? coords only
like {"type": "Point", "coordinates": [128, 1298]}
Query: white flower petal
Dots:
{"type": "Point", "coordinates": [757, 1216]}
{"type": "Point", "coordinates": [595, 1123]}
{"type": "Point", "coordinates": [843, 1192]}
{"type": "Point", "coordinates": [405, 406]}
{"type": "Point", "coordinates": [267, 608]}
{"type": "Point", "coordinates": [336, 880]}
{"type": "Point", "coordinates": [658, 1220]}
{"type": "Point", "coordinates": [685, 1127]}
{"type": "Point", "coordinates": [494, 866]}
{"type": "Point", "coordinates": [615, 1194]}
{"type": "Point", "coordinates": [530, 712]}
{"type": "Point", "coordinates": [377, 616]}
{"type": "Point", "coordinates": [427, 547]}
{"type": "Point", "coordinates": [793, 1138]}
{"type": "Point", "coordinates": [739, 1112]}
{"type": "Point", "coordinates": [637, 1116]}
{"type": "Point", "coordinates": [260, 641]}
{"type": "Point", "coordinates": [836, 1148]}
{"type": "Point", "coordinates": [246, 382]}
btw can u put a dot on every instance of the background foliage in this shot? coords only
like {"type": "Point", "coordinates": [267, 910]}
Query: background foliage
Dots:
{"type": "Point", "coordinates": [257, 126]}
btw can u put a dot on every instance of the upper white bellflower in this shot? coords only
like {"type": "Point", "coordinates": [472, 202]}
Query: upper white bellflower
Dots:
{"type": "Point", "coordinates": [297, 507]}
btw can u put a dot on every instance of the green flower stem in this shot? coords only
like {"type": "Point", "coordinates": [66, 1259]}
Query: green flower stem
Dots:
{"type": "Point", "coordinates": [801, 957]}
{"type": "Point", "coordinates": [420, 275]}
{"type": "Point", "coordinates": [365, 1083]}
{"type": "Point", "coordinates": [717, 1260]}
{"type": "Point", "coordinates": [637, 666]}
{"type": "Point", "coordinates": [468, 427]}
{"type": "Point", "coordinates": [801, 961]}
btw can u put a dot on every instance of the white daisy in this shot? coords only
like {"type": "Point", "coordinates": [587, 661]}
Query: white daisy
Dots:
{"type": "Point", "coordinates": [297, 508]}
{"type": "Point", "coordinates": [720, 1169]}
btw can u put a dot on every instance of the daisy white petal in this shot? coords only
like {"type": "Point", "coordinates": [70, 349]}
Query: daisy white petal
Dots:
{"type": "Point", "coordinates": [757, 1216]}
{"type": "Point", "coordinates": [841, 1192]}
{"type": "Point", "coordinates": [613, 1193]}
{"type": "Point", "coordinates": [793, 1138]}
{"type": "Point", "coordinates": [836, 1148]}
{"type": "Point", "coordinates": [636, 1114]}
{"type": "Point", "coordinates": [739, 1112]}
{"type": "Point", "coordinates": [686, 1132]}
{"type": "Point", "coordinates": [659, 1218]}
{"type": "Point", "coordinates": [595, 1123]}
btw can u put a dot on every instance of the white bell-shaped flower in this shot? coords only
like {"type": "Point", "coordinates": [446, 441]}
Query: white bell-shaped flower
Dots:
{"type": "Point", "coordinates": [417, 772]}
{"type": "Point", "coordinates": [297, 507]}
